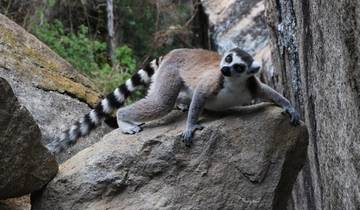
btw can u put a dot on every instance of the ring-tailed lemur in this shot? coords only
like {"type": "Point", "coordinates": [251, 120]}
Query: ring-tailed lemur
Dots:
{"type": "Point", "coordinates": [105, 107]}
{"type": "Point", "coordinates": [195, 77]}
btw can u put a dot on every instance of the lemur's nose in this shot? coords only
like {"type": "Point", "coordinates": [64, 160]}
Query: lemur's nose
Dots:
{"type": "Point", "coordinates": [226, 71]}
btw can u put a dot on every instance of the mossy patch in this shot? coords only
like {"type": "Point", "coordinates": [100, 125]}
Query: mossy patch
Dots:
{"type": "Point", "coordinates": [23, 53]}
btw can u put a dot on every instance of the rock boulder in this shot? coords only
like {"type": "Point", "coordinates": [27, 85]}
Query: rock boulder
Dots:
{"type": "Point", "coordinates": [22, 203]}
{"type": "Point", "coordinates": [245, 159]}
{"type": "Point", "coordinates": [49, 87]}
{"type": "Point", "coordinates": [25, 164]}
{"type": "Point", "coordinates": [316, 51]}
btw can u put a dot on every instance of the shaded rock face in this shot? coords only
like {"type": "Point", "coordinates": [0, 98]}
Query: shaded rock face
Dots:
{"type": "Point", "coordinates": [46, 85]}
{"type": "Point", "coordinates": [240, 23]}
{"type": "Point", "coordinates": [25, 164]}
{"type": "Point", "coordinates": [316, 52]}
{"type": "Point", "coordinates": [22, 203]}
{"type": "Point", "coordinates": [246, 160]}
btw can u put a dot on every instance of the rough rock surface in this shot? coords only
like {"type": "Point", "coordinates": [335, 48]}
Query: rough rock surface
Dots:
{"type": "Point", "coordinates": [22, 203]}
{"type": "Point", "coordinates": [241, 160]}
{"type": "Point", "coordinates": [46, 84]}
{"type": "Point", "coordinates": [240, 23]}
{"type": "Point", "coordinates": [25, 164]}
{"type": "Point", "coordinates": [316, 52]}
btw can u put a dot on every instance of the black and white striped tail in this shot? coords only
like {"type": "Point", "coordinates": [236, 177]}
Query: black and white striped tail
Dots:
{"type": "Point", "coordinates": [104, 108]}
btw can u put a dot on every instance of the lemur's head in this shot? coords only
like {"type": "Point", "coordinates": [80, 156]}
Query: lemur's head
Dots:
{"type": "Point", "coordinates": [238, 63]}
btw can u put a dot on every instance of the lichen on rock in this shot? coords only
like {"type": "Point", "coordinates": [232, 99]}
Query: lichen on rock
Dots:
{"type": "Point", "coordinates": [23, 53]}
{"type": "Point", "coordinates": [48, 86]}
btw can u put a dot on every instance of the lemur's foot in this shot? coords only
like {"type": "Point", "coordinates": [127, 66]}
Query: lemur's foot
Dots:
{"type": "Point", "coordinates": [182, 107]}
{"type": "Point", "coordinates": [112, 122]}
{"type": "Point", "coordinates": [293, 114]}
{"type": "Point", "coordinates": [188, 134]}
{"type": "Point", "coordinates": [129, 128]}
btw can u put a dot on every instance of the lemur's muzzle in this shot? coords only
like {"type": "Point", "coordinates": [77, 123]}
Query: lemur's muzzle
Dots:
{"type": "Point", "coordinates": [226, 71]}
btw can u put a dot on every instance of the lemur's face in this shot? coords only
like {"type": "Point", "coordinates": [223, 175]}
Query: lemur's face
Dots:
{"type": "Point", "coordinates": [238, 63]}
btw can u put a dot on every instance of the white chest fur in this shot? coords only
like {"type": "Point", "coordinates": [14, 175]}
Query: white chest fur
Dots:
{"type": "Point", "coordinates": [234, 93]}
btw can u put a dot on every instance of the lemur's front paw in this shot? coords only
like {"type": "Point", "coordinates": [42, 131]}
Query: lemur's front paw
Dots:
{"type": "Point", "coordinates": [188, 134]}
{"type": "Point", "coordinates": [294, 115]}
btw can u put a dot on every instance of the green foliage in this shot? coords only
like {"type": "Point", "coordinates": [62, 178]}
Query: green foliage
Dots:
{"type": "Point", "coordinates": [51, 3]}
{"type": "Point", "coordinates": [137, 24]}
{"type": "Point", "coordinates": [124, 55]}
{"type": "Point", "coordinates": [110, 78]}
{"type": "Point", "coordinates": [88, 55]}
{"type": "Point", "coordinates": [82, 52]}
{"type": "Point", "coordinates": [138, 19]}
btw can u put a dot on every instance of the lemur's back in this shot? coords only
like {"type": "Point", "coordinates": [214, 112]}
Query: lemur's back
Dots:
{"type": "Point", "coordinates": [194, 65]}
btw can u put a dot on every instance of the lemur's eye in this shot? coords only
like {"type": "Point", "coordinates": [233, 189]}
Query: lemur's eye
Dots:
{"type": "Point", "coordinates": [239, 67]}
{"type": "Point", "coordinates": [228, 59]}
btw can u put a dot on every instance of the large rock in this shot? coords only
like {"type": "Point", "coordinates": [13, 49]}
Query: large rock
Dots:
{"type": "Point", "coordinates": [317, 57]}
{"type": "Point", "coordinates": [241, 160]}
{"type": "Point", "coordinates": [25, 164]}
{"type": "Point", "coordinates": [22, 203]}
{"type": "Point", "coordinates": [240, 23]}
{"type": "Point", "coordinates": [54, 93]}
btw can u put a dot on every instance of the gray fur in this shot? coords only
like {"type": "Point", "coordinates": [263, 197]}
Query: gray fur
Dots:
{"type": "Point", "coordinates": [197, 105]}
{"type": "Point", "coordinates": [160, 101]}
{"type": "Point", "coordinates": [267, 92]}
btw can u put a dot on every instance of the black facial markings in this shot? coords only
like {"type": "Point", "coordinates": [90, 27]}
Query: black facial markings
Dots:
{"type": "Point", "coordinates": [246, 57]}
{"type": "Point", "coordinates": [239, 68]}
{"type": "Point", "coordinates": [228, 59]}
{"type": "Point", "coordinates": [226, 71]}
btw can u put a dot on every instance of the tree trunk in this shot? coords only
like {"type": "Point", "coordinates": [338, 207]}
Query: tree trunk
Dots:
{"type": "Point", "coordinates": [316, 49]}
{"type": "Point", "coordinates": [200, 27]}
{"type": "Point", "coordinates": [110, 27]}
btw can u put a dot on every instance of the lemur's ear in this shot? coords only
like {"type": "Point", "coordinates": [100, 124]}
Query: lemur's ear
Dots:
{"type": "Point", "coordinates": [255, 65]}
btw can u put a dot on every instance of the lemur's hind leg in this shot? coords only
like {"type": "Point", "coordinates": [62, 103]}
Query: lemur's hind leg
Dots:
{"type": "Point", "coordinates": [159, 102]}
